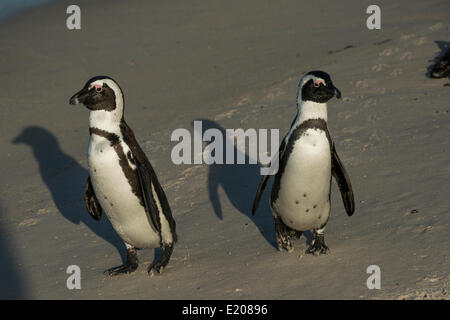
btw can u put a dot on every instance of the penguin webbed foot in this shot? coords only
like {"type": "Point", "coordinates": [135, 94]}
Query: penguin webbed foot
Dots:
{"type": "Point", "coordinates": [295, 234]}
{"type": "Point", "coordinates": [163, 260]}
{"type": "Point", "coordinates": [283, 235]}
{"type": "Point", "coordinates": [130, 265]}
{"type": "Point", "coordinates": [318, 245]}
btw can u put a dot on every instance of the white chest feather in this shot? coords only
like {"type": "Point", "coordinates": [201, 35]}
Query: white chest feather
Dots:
{"type": "Point", "coordinates": [115, 194]}
{"type": "Point", "coordinates": [303, 197]}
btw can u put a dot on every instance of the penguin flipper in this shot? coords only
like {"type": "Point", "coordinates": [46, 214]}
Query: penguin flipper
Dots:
{"type": "Point", "coordinates": [263, 183]}
{"type": "Point", "coordinates": [261, 187]}
{"type": "Point", "coordinates": [92, 205]}
{"type": "Point", "coordinates": [151, 209]}
{"type": "Point", "coordinates": [147, 179]}
{"type": "Point", "coordinates": [343, 181]}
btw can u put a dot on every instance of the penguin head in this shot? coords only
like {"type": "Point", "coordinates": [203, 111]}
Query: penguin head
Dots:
{"type": "Point", "coordinates": [100, 93]}
{"type": "Point", "coordinates": [317, 86]}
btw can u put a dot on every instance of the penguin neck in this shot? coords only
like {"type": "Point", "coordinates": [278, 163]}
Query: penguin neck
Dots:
{"type": "Point", "coordinates": [307, 110]}
{"type": "Point", "coordinates": [106, 120]}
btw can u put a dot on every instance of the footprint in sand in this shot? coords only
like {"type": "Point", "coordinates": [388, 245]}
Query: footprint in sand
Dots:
{"type": "Point", "coordinates": [365, 83]}
{"type": "Point", "coordinates": [348, 143]}
{"type": "Point", "coordinates": [436, 26]}
{"type": "Point", "coordinates": [406, 56]}
{"type": "Point", "coordinates": [375, 136]}
{"type": "Point", "coordinates": [347, 115]}
{"type": "Point", "coordinates": [388, 52]}
{"type": "Point", "coordinates": [373, 118]}
{"type": "Point", "coordinates": [407, 36]}
{"type": "Point", "coordinates": [43, 211]}
{"type": "Point", "coordinates": [344, 115]}
{"type": "Point", "coordinates": [347, 99]}
{"type": "Point", "coordinates": [396, 72]}
{"type": "Point", "coordinates": [28, 222]}
{"type": "Point", "coordinates": [379, 67]}
{"type": "Point", "coordinates": [352, 129]}
{"type": "Point", "coordinates": [369, 103]}
{"type": "Point", "coordinates": [228, 114]}
{"type": "Point", "coordinates": [420, 41]}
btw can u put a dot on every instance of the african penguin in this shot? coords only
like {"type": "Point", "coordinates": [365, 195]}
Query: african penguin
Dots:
{"type": "Point", "coordinates": [300, 198]}
{"type": "Point", "coordinates": [121, 180]}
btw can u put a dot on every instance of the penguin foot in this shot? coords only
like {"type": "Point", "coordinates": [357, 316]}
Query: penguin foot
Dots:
{"type": "Point", "coordinates": [318, 245]}
{"type": "Point", "coordinates": [284, 244]}
{"type": "Point", "coordinates": [162, 262]}
{"type": "Point", "coordinates": [295, 234]}
{"type": "Point", "coordinates": [283, 236]}
{"type": "Point", "coordinates": [129, 266]}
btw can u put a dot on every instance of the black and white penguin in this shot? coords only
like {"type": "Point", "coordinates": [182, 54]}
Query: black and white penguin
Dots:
{"type": "Point", "coordinates": [300, 198]}
{"type": "Point", "coordinates": [121, 181]}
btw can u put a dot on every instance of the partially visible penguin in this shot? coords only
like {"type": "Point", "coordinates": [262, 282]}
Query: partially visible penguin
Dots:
{"type": "Point", "coordinates": [121, 181]}
{"type": "Point", "coordinates": [300, 198]}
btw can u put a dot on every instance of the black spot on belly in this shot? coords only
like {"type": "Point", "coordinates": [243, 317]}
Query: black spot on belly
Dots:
{"type": "Point", "coordinates": [105, 197]}
{"type": "Point", "coordinates": [296, 201]}
{"type": "Point", "coordinates": [304, 195]}
{"type": "Point", "coordinates": [320, 217]}
{"type": "Point", "coordinates": [315, 206]}
{"type": "Point", "coordinates": [130, 173]}
{"type": "Point", "coordinates": [316, 124]}
{"type": "Point", "coordinates": [111, 204]}
{"type": "Point", "coordinates": [307, 210]}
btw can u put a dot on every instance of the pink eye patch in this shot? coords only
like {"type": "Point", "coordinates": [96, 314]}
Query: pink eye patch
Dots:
{"type": "Point", "coordinates": [97, 87]}
{"type": "Point", "coordinates": [318, 82]}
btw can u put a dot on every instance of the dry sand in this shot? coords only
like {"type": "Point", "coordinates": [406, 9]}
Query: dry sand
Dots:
{"type": "Point", "coordinates": [233, 64]}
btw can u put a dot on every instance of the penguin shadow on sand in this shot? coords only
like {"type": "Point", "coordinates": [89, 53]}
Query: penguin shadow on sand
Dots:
{"type": "Point", "coordinates": [66, 180]}
{"type": "Point", "coordinates": [239, 182]}
{"type": "Point", "coordinates": [11, 284]}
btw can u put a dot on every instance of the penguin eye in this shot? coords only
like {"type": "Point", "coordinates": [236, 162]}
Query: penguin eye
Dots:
{"type": "Point", "coordinates": [319, 82]}
{"type": "Point", "coordinates": [98, 89]}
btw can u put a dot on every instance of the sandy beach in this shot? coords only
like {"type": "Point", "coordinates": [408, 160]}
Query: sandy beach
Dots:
{"type": "Point", "coordinates": [233, 64]}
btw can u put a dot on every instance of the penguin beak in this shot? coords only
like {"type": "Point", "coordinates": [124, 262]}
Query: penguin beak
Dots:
{"type": "Point", "coordinates": [337, 93]}
{"type": "Point", "coordinates": [80, 96]}
{"type": "Point", "coordinates": [331, 89]}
